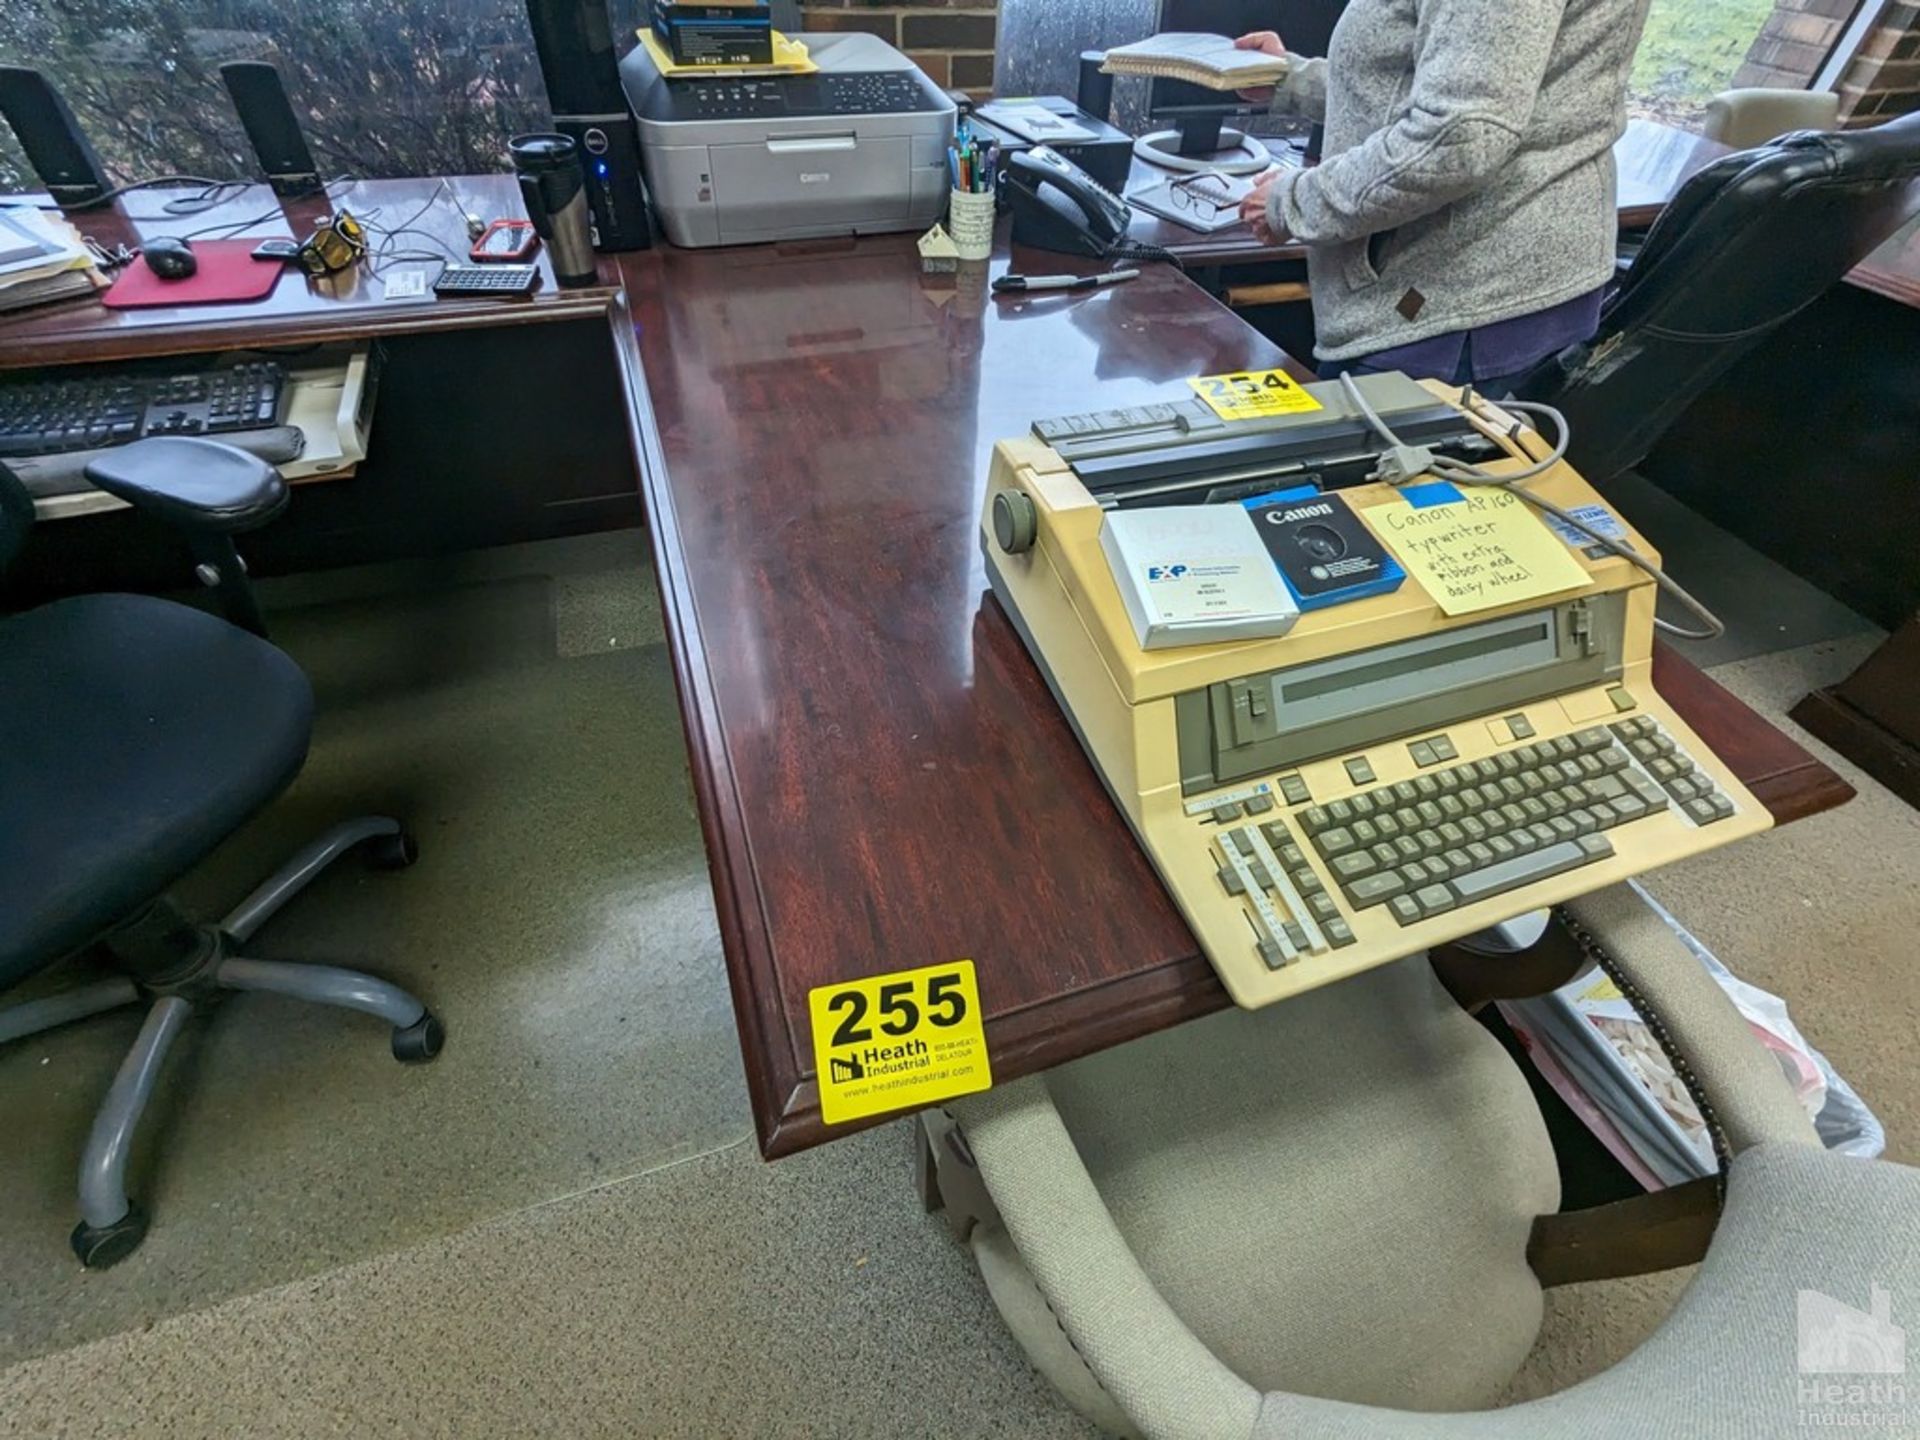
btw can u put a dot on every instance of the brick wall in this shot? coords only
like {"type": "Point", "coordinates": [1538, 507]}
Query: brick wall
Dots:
{"type": "Point", "coordinates": [952, 40]}
{"type": "Point", "coordinates": [1884, 79]}
{"type": "Point", "coordinates": [1794, 42]}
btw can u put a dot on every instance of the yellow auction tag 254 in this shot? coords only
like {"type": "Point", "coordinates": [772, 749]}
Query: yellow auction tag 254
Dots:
{"type": "Point", "coordinates": [890, 1042]}
{"type": "Point", "coordinates": [1249, 394]}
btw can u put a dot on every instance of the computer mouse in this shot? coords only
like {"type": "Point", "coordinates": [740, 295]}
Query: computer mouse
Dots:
{"type": "Point", "coordinates": [169, 258]}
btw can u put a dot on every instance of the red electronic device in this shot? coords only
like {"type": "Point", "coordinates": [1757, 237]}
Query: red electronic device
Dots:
{"type": "Point", "coordinates": [505, 240]}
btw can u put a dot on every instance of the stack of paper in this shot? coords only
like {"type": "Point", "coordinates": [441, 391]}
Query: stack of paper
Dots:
{"type": "Point", "coordinates": [1209, 60]}
{"type": "Point", "coordinates": [42, 258]}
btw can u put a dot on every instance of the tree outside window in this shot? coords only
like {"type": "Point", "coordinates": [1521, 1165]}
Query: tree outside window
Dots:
{"type": "Point", "coordinates": [383, 87]}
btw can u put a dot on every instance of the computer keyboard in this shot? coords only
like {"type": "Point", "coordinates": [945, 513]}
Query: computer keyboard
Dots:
{"type": "Point", "coordinates": [102, 407]}
{"type": "Point", "coordinates": [1449, 837]}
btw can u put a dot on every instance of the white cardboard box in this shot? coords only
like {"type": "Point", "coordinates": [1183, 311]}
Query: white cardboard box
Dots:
{"type": "Point", "coordinates": [1195, 575]}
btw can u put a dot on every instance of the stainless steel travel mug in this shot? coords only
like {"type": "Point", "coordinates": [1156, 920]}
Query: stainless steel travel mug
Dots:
{"type": "Point", "coordinates": [554, 190]}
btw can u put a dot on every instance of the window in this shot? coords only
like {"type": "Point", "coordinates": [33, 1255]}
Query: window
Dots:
{"type": "Point", "coordinates": [383, 87]}
{"type": "Point", "coordinates": [1691, 50]}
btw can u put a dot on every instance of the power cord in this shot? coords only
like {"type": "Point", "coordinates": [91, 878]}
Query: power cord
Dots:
{"type": "Point", "coordinates": [1144, 250]}
{"type": "Point", "coordinates": [210, 194]}
{"type": "Point", "coordinates": [1403, 462]}
{"type": "Point", "coordinates": [226, 227]}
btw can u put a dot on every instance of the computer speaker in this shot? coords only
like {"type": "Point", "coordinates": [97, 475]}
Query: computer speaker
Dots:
{"type": "Point", "coordinates": [58, 152]}
{"type": "Point", "coordinates": [267, 116]}
{"type": "Point", "coordinates": [581, 67]}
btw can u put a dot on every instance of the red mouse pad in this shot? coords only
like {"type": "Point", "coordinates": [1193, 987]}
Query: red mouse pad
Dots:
{"type": "Point", "coordinates": [228, 272]}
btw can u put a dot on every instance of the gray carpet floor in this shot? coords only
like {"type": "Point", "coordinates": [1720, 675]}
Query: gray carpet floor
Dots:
{"type": "Point", "coordinates": [559, 921]}
{"type": "Point", "coordinates": [560, 1228]}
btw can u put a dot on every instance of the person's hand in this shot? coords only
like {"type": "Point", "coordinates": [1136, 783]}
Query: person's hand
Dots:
{"type": "Point", "coordinates": [1253, 209]}
{"type": "Point", "coordinates": [1267, 42]}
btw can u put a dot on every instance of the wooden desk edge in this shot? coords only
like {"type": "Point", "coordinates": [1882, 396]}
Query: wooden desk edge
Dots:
{"type": "Point", "coordinates": [360, 322]}
{"type": "Point", "coordinates": [743, 923]}
{"type": "Point", "coordinates": [787, 1108]}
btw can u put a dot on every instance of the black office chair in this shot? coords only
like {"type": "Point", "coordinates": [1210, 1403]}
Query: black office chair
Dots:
{"type": "Point", "coordinates": [135, 735]}
{"type": "Point", "coordinates": [1747, 243]}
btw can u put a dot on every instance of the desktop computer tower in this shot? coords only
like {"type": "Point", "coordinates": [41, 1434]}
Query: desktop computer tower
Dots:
{"type": "Point", "coordinates": [581, 67]}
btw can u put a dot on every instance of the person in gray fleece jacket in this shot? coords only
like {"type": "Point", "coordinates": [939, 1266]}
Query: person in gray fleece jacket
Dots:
{"type": "Point", "coordinates": [1461, 223]}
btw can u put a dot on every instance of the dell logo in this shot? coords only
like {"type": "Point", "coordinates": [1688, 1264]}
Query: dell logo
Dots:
{"type": "Point", "coordinates": [814, 177]}
{"type": "Point", "coordinates": [595, 140]}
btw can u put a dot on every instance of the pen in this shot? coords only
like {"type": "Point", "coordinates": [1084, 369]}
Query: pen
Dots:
{"type": "Point", "coordinates": [1010, 283]}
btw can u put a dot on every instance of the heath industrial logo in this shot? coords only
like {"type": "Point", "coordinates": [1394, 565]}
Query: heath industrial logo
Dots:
{"type": "Point", "coordinates": [1850, 1361]}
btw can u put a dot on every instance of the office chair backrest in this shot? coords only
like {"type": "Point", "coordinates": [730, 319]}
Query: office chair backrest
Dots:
{"type": "Point", "coordinates": [1748, 242]}
{"type": "Point", "coordinates": [1755, 115]}
{"type": "Point", "coordinates": [16, 515]}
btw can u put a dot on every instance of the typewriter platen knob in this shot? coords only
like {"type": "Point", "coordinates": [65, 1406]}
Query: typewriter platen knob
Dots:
{"type": "Point", "coordinates": [1014, 523]}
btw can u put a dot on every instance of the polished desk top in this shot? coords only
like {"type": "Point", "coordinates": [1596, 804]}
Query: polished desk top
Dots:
{"type": "Point", "coordinates": [1894, 269]}
{"type": "Point", "coordinates": [348, 306]}
{"type": "Point", "coordinates": [884, 780]}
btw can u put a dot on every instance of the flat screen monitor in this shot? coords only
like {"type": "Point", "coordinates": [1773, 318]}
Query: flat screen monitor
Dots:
{"type": "Point", "coordinates": [1195, 111]}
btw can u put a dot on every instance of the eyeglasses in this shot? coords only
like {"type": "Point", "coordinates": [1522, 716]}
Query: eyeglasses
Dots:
{"type": "Point", "coordinates": [1187, 194]}
{"type": "Point", "coordinates": [335, 245]}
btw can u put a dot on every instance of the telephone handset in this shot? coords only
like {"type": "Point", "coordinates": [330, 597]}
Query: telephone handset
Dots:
{"type": "Point", "coordinates": [1058, 206]}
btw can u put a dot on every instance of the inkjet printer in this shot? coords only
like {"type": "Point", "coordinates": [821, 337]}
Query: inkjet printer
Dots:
{"type": "Point", "coordinates": [858, 147]}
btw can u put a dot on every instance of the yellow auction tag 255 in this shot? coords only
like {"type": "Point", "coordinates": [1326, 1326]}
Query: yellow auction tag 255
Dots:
{"type": "Point", "coordinates": [890, 1042]}
{"type": "Point", "coordinates": [1249, 394]}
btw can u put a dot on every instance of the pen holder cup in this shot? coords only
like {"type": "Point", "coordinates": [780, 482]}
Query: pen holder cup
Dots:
{"type": "Point", "coordinates": [970, 223]}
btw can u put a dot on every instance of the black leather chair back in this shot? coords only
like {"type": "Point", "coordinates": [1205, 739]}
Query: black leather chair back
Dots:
{"type": "Point", "coordinates": [1747, 242]}
{"type": "Point", "coordinates": [16, 515]}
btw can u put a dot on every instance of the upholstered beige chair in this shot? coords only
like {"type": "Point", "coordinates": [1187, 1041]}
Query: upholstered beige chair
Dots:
{"type": "Point", "coordinates": [1752, 116]}
{"type": "Point", "coordinates": [1315, 1220]}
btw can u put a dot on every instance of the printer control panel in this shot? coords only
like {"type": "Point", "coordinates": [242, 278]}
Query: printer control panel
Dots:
{"type": "Point", "coordinates": [888, 92]}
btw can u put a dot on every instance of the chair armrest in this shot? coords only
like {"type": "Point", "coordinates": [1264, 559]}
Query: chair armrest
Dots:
{"type": "Point", "coordinates": [1169, 1383]}
{"type": "Point", "coordinates": [1744, 1084]}
{"type": "Point", "coordinates": [199, 485]}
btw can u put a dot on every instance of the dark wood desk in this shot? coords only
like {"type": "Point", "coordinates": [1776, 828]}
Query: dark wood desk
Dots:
{"type": "Point", "coordinates": [883, 777]}
{"type": "Point", "coordinates": [468, 448]}
{"type": "Point", "coordinates": [1894, 269]}
{"type": "Point", "coordinates": [298, 310]}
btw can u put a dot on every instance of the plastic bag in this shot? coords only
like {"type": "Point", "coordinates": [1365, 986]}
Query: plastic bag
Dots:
{"type": "Point", "coordinates": [1599, 1055]}
{"type": "Point", "coordinates": [1841, 1118]}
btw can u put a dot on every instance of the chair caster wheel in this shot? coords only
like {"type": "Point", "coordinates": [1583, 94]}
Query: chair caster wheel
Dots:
{"type": "Point", "coordinates": [99, 1246]}
{"type": "Point", "coordinates": [420, 1041]}
{"type": "Point", "coordinates": [391, 852]}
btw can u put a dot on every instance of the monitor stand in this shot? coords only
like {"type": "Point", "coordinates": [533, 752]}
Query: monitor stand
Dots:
{"type": "Point", "coordinates": [1201, 143]}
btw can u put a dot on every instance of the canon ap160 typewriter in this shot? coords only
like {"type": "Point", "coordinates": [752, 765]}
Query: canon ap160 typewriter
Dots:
{"type": "Point", "coordinates": [1383, 777]}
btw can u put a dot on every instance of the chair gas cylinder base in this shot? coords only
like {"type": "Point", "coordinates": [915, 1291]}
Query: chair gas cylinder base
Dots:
{"type": "Point", "coordinates": [137, 735]}
{"type": "Point", "coordinates": [183, 967]}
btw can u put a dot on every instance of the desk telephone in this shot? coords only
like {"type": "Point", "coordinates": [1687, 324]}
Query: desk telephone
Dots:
{"type": "Point", "coordinates": [1384, 777]}
{"type": "Point", "coordinates": [1058, 206]}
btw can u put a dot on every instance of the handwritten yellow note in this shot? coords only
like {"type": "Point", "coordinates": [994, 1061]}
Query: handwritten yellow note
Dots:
{"type": "Point", "coordinates": [1482, 550]}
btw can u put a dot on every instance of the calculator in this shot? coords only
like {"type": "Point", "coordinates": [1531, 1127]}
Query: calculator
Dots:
{"type": "Point", "coordinates": [488, 280]}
